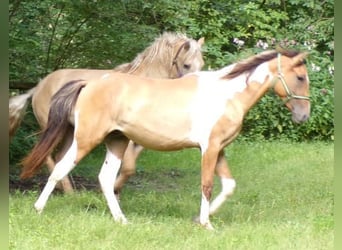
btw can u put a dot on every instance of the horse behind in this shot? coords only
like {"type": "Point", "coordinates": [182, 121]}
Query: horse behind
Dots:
{"type": "Point", "coordinates": [171, 55]}
{"type": "Point", "coordinates": [203, 110]}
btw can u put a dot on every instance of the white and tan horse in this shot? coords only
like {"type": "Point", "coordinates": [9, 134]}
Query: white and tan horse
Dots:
{"type": "Point", "coordinates": [171, 55]}
{"type": "Point", "coordinates": [203, 110]}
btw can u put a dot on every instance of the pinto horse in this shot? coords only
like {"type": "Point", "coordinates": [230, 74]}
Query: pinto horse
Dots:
{"type": "Point", "coordinates": [203, 110]}
{"type": "Point", "coordinates": [171, 55]}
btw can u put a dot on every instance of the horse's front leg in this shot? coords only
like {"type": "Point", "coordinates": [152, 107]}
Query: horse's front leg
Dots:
{"type": "Point", "coordinates": [209, 159]}
{"type": "Point", "coordinates": [128, 165]}
{"type": "Point", "coordinates": [228, 183]}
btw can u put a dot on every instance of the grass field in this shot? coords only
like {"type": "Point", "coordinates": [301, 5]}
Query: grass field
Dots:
{"type": "Point", "coordinates": [284, 200]}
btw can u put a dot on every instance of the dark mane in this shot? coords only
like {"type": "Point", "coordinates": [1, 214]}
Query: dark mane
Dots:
{"type": "Point", "coordinates": [251, 63]}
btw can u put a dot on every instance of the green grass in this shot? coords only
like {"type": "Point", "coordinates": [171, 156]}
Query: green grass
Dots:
{"type": "Point", "coordinates": [283, 200]}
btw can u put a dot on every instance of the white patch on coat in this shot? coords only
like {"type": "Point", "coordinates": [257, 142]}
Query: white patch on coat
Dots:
{"type": "Point", "coordinates": [210, 102]}
{"type": "Point", "coordinates": [76, 115]}
{"type": "Point", "coordinates": [105, 76]}
{"type": "Point", "coordinates": [212, 96]}
{"type": "Point", "coordinates": [260, 73]}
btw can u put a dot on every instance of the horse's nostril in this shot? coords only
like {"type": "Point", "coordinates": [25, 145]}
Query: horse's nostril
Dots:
{"type": "Point", "coordinates": [305, 118]}
{"type": "Point", "coordinates": [297, 118]}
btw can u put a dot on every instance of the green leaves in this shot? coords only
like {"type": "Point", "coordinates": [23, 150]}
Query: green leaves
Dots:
{"type": "Point", "coordinates": [47, 35]}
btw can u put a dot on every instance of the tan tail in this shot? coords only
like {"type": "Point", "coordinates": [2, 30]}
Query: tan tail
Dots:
{"type": "Point", "coordinates": [17, 107]}
{"type": "Point", "coordinates": [62, 104]}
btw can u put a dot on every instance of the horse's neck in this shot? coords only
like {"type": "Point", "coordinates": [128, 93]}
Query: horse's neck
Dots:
{"type": "Point", "coordinates": [155, 69]}
{"type": "Point", "coordinates": [244, 90]}
{"type": "Point", "coordinates": [257, 85]}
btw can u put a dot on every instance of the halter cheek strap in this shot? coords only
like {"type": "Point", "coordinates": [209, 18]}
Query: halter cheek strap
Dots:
{"type": "Point", "coordinates": [289, 94]}
{"type": "Point", "coordinates": [174, 61]}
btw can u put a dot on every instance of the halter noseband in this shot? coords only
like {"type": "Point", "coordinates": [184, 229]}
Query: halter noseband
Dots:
{"type": "Point", "coordinates": [174, 61]}
{"type": "Point", "coordinates": [289, 93]}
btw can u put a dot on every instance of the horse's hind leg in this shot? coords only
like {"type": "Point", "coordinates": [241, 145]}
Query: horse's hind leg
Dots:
{"type": "Point", "coordinates": [80, 147]}
{"type": "Point", "coordinates": [116, 146]}
{"type": "Point", "coordinates": [128, 165]}
{"type": "Point", "coordinates": [62, 168]}
{"type": "Point", "coordinates": [65, 183]}
{"type": "Point", "coordinates": [64, 146]}
{"type": "Point", "coordinates": [228, 183]}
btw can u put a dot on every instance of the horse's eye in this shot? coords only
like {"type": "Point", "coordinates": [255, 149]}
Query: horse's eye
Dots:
{"type": "Point", "coordinates": [186, 66]}
{"type": "Point", "coordinates": [301, 78]}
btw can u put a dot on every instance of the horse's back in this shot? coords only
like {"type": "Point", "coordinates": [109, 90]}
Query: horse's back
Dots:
{"type": "Point", "coordinates": [50, 84]}
{"type": "Point", "coordinates": [130, 87]}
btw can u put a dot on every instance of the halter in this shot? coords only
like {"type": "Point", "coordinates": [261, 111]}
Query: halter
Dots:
{"type": "Point", "coordinates": [289, 94]}
{"type": "Point", "coordinates": [174, 61]}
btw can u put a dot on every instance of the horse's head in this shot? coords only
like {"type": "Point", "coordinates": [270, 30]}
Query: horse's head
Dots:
{"type": "Point", "coordinates": [171, 55]}
{"type": "Point", "coordinates": [292, 85]}
{"type": "Point", "coordinates": [187, 57]}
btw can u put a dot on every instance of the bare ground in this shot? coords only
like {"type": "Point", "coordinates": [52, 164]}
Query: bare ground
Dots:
{"type": "Point", "coordinates": [38, 182]}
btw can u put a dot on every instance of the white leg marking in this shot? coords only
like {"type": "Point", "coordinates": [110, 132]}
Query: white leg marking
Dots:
{"type": "Point", "coordinates": [204, 213]}
{"type": "Point", "coordinates": [107, 178]}
{"type": "Point", "coordinates": [62, 168]}
{"type": "Point", "coordinates": [228, 186]}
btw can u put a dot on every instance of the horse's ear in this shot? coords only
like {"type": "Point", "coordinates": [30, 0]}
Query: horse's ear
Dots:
{"type": "Point", "coordinates": [299, 59]}
{"type": "Point", "coordinates": [200, 41]}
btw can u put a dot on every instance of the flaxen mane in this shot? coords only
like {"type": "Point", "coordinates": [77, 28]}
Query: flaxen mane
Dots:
{"type": "Point", "coordinates": [161, 43]}
{"type": "Point", "coordinates": [251, 63]}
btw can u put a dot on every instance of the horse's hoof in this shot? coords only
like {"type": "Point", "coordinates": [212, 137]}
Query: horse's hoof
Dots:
{"type": "Point", "coordinates": [121, 219]}
{"type": "Point", "coordinates": [124, 221]}
{"type": "Point", "coordinates": [206, 225]}
{"type": "Point", "coordinates": [196, 220]}
{"type": "Point", "coordinates": [38, 209]}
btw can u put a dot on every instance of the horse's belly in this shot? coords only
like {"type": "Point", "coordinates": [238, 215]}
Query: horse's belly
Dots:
{"type": "Point", "coordinates": [162, 143]}
{"type": "Point", "coordinates": [160, 132]}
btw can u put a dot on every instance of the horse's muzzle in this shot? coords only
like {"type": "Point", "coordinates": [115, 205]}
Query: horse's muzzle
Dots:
{"type": "Point", "coordinates": [299, 117]}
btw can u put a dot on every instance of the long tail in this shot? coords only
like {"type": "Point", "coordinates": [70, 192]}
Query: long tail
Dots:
{"type": "Point", "coordinates": [62, 104]}
{"type": "Point", "coordinates": [17, 107]}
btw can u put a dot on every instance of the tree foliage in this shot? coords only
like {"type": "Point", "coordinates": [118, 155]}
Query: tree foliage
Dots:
{"type": "Point", "coordinates": [47, 35]}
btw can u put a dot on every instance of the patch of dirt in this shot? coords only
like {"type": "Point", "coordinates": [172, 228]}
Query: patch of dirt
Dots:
{"type": "Point", "coordinates": [162, 181]}
{"type": "Point", "coordinates": [38, 182]}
